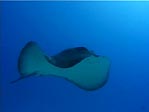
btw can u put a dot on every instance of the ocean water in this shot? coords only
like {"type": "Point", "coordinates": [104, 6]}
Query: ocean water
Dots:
{"type": "Point", "coordinates": [118, 30]}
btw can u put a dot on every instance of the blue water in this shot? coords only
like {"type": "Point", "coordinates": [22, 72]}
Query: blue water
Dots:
{"type": "Point", "coordinates": [118, 30]}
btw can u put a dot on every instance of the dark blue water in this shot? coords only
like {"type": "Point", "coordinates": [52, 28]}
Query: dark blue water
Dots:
{"type": "Point", "coordinates": [118, 30]}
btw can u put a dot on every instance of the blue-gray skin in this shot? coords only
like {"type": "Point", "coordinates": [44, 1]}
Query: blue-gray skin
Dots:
{"type": "Point", "coordinates": [70, 57]}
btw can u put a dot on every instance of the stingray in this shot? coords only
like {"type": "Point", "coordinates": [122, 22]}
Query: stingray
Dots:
{"type": "Point", "coordinates": [77, 65]}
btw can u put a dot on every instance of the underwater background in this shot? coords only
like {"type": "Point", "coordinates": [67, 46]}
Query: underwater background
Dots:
{"type": "Point", "coordinates": [118, 30]}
